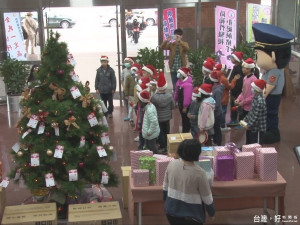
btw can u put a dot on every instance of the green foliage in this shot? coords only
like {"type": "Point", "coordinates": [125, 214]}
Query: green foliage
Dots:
{"type": "Point", "coordinates": [247, 51]}
{"type": "Point", "coordinates": [148, 56]}
{"type": "Point", "coordinates": [14, 75]}
{"type": "Point", "coordinates": [42, 101]}
{"type": "Point", "coordinates": [197, 57]}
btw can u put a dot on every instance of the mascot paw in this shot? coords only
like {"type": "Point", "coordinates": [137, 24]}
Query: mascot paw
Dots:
{"type": "Point", "coordinates": [271, 136]}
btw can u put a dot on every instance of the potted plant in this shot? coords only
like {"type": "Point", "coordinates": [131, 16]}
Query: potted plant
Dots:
{"type": "Point", "coordinates": [14, 75]}
{"type": "Point", "coordinates": [148, 56]}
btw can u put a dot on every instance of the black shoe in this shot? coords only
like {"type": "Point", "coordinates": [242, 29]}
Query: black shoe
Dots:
{"type": "Point", "coordinates": [110, 116]}
{"type": "Point", "coordinates": [271, 136]}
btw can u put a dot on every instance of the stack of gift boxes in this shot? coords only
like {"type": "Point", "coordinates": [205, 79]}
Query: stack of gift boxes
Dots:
{"type": "Point", "coordinates": [229, 163]}
{"type": "Point", "coordinates": [148, 169]}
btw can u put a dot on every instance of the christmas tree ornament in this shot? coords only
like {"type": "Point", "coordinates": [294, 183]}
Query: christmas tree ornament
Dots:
{"type": "Point", "coordinates": [26, 133]}
{"type": "Point", "coordinates": [70, 112]}
{"type": "Point", "coordinates": [47, 134]}
{"type": "Point", "coordinates": [42, 115]}
{"type": "Point", "coordinates": [101, 151]}
{"type": "Point", "coordinates": [104, 178]}
{"type": "Point", "coordinates": [58, 93]}
{"type": "Point", "coordinates": [87, 86]}
{"type": "Point", "coordinates": [35, 159]}
{"type": "Point", "coordinates": [75, 92]}
{"type": "Point", "coordinates": [33, 121]}
{"type": "Point", "coordinates": [74, 76]}
{"type": "Point", "coordinates": [41, 128]}
{"type": "Point", "coordinates": [86, 100]}
{"type": "Point", "coordinates": [49, 180]}
{"type": "Point", "coordinates": [16, 147]}
{"type": "Point", "coordinates": [56, 128]}
{"type": "Point", "coordinates": [38, 101]}
{"type": "Point", "coordinates": [25, 148]}
{"type": "Point", "coordinates": [71, 121]}
{"type": "Point", "coordinates": [59, 151]}
{"type": "Point", "coordinates": [92, 120]}
{"type": "Point", "coordinates": [26, 94]}
{"type": "Point", "coordinates": [73, 175]}
{"type": "Point", "coordinates": [105, 138]}
{"type": "Point", "coordinates": [82, 141]}
{"type": "Point", "coordinates": [49, 152]}
{"type": "Point", "coordinates": [81, 164]}
{"type": "Point", "coordinates": [71, 59]}
{"type": "Point", "coordinates": [20, 153]}
{"type": "Point", "coordinates": [60, 72]}
{"type": "Point", "coordinates": [64, 163]}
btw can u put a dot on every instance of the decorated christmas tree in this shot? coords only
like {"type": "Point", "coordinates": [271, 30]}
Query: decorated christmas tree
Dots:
{"type": "Point", "coordinates": [63, 142]}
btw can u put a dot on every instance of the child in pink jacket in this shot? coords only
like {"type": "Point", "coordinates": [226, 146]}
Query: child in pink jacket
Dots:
{"type": "Point", "coordinates": [245, 98]}
{"type": "Point", "coordinates": [183, 96]}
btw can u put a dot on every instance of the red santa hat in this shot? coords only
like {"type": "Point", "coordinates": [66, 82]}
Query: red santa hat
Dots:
{"type": "Point", "coordinates": [208, 66]}
{"type": "Point", "coordinates": [205, 89]}
{"type": "Point", "coordinates": [259, 85]}
{"type": "Point", "coordinates": [221, 67]}
{"type": "Point", "coordinates": [214, 76]}
{"type": "Point", "coordinates": [130, 59]}
{"type": "Point", "coordinates": [196, 92]}
{"type": "Point", "coordinates": [184, 71]}
{"type": "Point", "coordinates": [144, 96]}
{"type": "Point", "coordinates": [249, 63]}
{"type": "Point", "coordinates": [145, 80]}
{"type": "Point", "coordinates": [104, 58]}
{"type": "Point", "coordinates": [161, 82]}
{"type": "Point", "coordinates": [150, 69]}
{"type": "Point", "coordinates": [209, 59]}
{"type": "Point", "coordinates": [238, 56]}
{"type": "Point", "coordinates": [143, 86]}
{"type": "Point", "coordinates": [136, 67]}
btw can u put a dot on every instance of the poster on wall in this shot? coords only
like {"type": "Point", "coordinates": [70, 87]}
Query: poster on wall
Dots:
{"type": "Point", "coordinates": [225, 31]}
{"type": "Point", "coordinates": [14, 36]}
{"type": "Point", "coordinates": [256, 14]}
{"type": "Point", "coordinates": [169, 22]}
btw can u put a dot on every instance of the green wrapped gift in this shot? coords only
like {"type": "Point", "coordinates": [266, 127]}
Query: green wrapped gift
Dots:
{"type": "Point", "coordinates": [204, 164]}
{"type": "Point", "coordinates": [148, 162]}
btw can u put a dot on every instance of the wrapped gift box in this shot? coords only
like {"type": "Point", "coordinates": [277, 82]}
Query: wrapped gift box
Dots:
{"type": "Point", "coordinates": [148, 162]}
{"type": "Point", "coordinates": [267, 158]}
{"type": "Point", "coordinates": [135, 156]}
{"type": "Point", "coordinates": [244, 165]}
{"type": "Point", "coordinates": [211, 158]}
{"type": "Point", "coordinates": [125, 184]}
{"type": "Point", "coordinates": [225, 168]}
{"type": "Point", "coordinates": [253, 148]}
{"type": "Point", "coordinates": [220, 151]}
{"type": "Point", "coordinates": [140, 177]}
{"type": "Point", "coordinates": [173, 141]}
{"type": "Point", "coordinates": [204, 164]}
{"type": "Point", "coordinates": [161, 167]}
{"type": "Point", "coordinates": [159, 156]}
{"type": "Point", "coordinates": [207, 151]}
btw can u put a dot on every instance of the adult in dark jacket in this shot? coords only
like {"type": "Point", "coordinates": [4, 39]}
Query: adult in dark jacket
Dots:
{"type": "Point", "coordinates": [236, 59]}
{"type": "Point", "coordinates": [105, 84]}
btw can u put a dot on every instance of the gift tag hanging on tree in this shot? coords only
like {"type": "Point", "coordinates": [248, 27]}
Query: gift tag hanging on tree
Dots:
{"type": "Point", "coordinates": [33, 121]}
{"type": "Point", "coordinates": [105, 138]}
{"type": "Point", "coordinates": [74, 76]}
{"type": "Point", "coordinates": [4, 182]}
{"type": "Point", "coordinates": [26, 133]}
{"type": "Point", "coordinates": [59, 151]}
{"type": "Point", "coordinates": [73, 175]}
{"type": "Point", "coordinates": [75, 92]}
{"type": "Point", "coordinates": [82, 141]}
{"type": "Point", "coordinates": [35, 159]}
{"type": "Point", "coordinates": [101, 151]}
{"type": "Point", "coordinates": [71, 59]}
{"type": "Point", "coordinates": [92, 119]}
{"type": "Point", "coordinates": [49, 180]}
{"type": "Point", "coordinates": [16, 147]}
{"type": "Point", "coordinates": [17, 175]}
{"type": "Point", "coordinates": [41, 128]}
{"type": "Point", "coordinates": [104, 179]}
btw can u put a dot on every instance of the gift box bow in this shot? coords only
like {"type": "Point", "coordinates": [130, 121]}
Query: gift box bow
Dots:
{"type": "Point", "coordinates": [232, 147]}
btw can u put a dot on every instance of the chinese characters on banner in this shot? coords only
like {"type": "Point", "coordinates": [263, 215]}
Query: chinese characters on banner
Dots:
{"type": "Point", "coordinates": [169, 22]}
{"type": "Point", "coordinates": [14, 36]}
{"type": "Point", "coordinates": [225, 31]}
{"type": "Point", "coordinates": [256, 14]}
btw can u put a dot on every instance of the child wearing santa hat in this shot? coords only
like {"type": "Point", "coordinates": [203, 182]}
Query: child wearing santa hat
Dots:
{"type": "Point", "coordinates": [150, 126]}
{"type": "Point", "coordinates": [149, 71]}
{"type": "Point", "coordinates": [128, 61]}
{"type": "Point", "coordinates": [193, 112]}
{"type": "Point", "coordinates": [255, 121]}
{"type": "Point", "coordinates": [207, 68]}
{"type": "Point", "coordinates": [244, 100]}
{"type": "Point", "coordinates": [164, 104]}
{"type": "Point", "coordinates": [183, 96]}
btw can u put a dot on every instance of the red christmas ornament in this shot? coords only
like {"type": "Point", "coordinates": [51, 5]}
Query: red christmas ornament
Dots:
{"type": "Point", "coordinates": [81, 164]}
{"type": "Point", "coordinates": [38, 101]}
{"type": "Point", "coordinates": [92, 142]}
{"type": "Point", "coordinates": [47, 134]}
{"type": "Point", "coordinates": [70, 112]}
{"type": "Point", "coordinates": [60, 72]}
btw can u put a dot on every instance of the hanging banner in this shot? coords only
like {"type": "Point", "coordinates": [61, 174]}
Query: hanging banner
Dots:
{"type": "Point", "coordinates": [256, 14]}
{"type": "Point", "coordinates": [14, 36]}
{"type": "Point", "coordinates": [225, 30]}
{"type": "Point", "coordinates": [169, 22]}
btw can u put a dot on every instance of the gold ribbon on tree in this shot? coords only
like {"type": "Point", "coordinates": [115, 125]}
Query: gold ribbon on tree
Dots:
{"type": "Point", "coordinates": [58, 93]}
{"type": "Point", "coordinates": [42, 115]}
{"type": "Point", "coordinates": [71, 121]}
{"type": "Point", "coordinates": [26, 94]}
{"type": "Point", "coordinates": [86, 100]}
{"type": "Point", "coordinates": [26, 112]}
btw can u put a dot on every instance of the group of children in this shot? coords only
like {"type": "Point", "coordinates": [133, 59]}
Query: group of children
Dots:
{"type": "Point", "coordinates": [202, 109]}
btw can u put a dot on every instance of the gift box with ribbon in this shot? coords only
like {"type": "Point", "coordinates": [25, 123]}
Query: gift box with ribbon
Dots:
{"type": "Point", "coordinates": [267, 160]}
{"type": "Point", "coordinates": [148, 162]}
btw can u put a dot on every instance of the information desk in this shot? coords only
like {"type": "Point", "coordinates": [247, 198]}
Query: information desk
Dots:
{"type": "Point", "coordinates": [241, 194]}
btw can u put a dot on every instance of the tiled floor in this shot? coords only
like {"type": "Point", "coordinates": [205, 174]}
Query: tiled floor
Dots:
{"type": "Point", "coordinates": [122, 135]}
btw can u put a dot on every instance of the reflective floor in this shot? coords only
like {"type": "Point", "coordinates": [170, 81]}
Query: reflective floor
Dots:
{"type": "Point", "coordinates": [122, 135]}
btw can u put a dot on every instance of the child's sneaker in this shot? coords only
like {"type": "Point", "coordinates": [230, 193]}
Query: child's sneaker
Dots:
{"type": "Point", "coordinates": [137, 139]}
{"type": "Point", "coordinates": [126, 119]}
{"type": "Point", "coordinates": [233, 123]}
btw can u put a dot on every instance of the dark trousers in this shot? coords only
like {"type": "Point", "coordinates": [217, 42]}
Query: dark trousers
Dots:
{"type": "Point", "coordinates": [243, 114]}
{"type": "Point", "coordinates": [223, 121]}
{"type": "Point", "coordinates": [233, 115]}
{"type": "Point", "coordinates": [108, 98]}
{"type": "Point", "coordinates": [253, 137]}
{"type": "Point", "coordinates": [217, 129]}
{"type": "Point", "coordinates": [164, 130]}
{"type": "Point", "coordinates": [186, 125]}
{"type": "Point", "coordinates": [194, 130]}
{"type": "Point", "coordinates": [173, 220]}
{"type": "Point", "coordinates": [272, 102]}
{"type": "Point", "coordinates": [151, 145]}
{"type": "Point", "coordinates": [141, 141]}
{"type": "Point", "coordinates": [174, 79]}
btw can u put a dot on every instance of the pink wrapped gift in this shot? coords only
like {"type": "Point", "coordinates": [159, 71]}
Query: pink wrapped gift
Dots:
{"type": "Point", "coordinates": [225, 168]}
{"type": "Point", "coordinates": [244, 165]}
{"type": "Point", "coordinates": [140, 177]}
{"type": "Point", "coordinates": [161, 167]}
{"type": "Point", "coordinates": [135, 156]}
{"type": "Point", "coordinates": [219, 151]}
{"type": "Point", "coordinates": [159, 156]}
{"type": "Point", "coordinates": [267, 159]}
{"type": "Point", "coordinates": [253, 148]}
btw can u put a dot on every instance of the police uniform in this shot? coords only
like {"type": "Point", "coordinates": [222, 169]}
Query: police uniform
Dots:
{"type": "Point", "coordinates": [270, 38]}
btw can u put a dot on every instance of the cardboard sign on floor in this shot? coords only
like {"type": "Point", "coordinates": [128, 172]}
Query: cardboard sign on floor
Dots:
{"type": "Point", "coordinates": [95, 214]}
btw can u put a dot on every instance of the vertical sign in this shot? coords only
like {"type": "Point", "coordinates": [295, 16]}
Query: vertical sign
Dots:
{"type": "Point", "coordinates": [225, 31]}
{"type": "Point", "coordinates": [14, 36]}
{"type": "Point", "coordinates": [256, 14]}
{"type": "Point", "coordinates": [169, 22]}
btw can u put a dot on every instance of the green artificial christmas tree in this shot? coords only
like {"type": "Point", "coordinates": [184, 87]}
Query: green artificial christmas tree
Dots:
{"type": "Point", "coordinates": [63, 142]}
